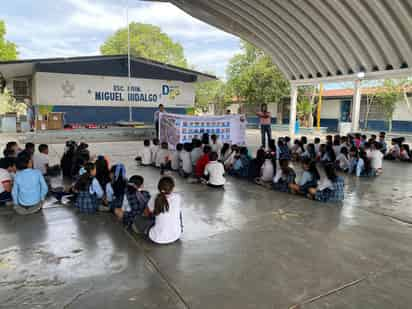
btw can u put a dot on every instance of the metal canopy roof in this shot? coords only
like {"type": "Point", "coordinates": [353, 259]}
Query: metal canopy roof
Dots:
{"type": "Point", "coordinates": [313, 40]}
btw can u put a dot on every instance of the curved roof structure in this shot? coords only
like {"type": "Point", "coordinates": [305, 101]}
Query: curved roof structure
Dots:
{"type": "Point", "coordinates": [318, 39]}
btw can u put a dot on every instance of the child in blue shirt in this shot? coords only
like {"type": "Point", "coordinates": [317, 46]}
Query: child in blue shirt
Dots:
{"type": "Point", "coordinates": [30, 188]}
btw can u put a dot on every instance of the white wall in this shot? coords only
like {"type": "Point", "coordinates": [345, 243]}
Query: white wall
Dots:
{"type": "Point", "coordinates": [74, 89]}
{"type": "Point", "coordinates": [330, 109]}
{"type": "Point", "coordinates": [402, 112]}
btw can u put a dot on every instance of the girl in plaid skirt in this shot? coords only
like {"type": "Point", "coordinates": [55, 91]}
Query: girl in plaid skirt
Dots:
{"type": "Point", "coordinates": [89, 192]}
{"type": "Point", "coordinates": [284, 177]}
{"type": "Point", "coordinates": [330, 189]}
{"type": "Point", "coordinates": [115, 189]}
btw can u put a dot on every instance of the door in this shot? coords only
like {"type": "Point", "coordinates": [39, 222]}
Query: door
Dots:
{"type": "Point", "coordinates": [345, 111]}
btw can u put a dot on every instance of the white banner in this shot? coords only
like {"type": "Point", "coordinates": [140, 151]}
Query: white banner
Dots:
{"type": "Point", "coordinates": [90, 90]}
{"type": "Point", "coordinates": [176, 128]}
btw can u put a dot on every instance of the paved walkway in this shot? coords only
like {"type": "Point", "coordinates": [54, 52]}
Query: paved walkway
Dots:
{"type": "Point", "coordinates": [245, 247]}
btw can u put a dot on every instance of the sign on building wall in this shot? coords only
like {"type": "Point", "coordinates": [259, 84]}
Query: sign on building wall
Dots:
{"type": "Point", "coordinates": [87, 90]}
{"type": "Point", "coordinates": [176, 129]}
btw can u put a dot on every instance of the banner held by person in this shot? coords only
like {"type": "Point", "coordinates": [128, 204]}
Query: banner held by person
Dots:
{"type": "Point", "coordinates": [176, 128]}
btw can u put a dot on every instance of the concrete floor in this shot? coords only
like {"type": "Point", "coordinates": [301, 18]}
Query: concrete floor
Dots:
{"type": "Point", "coordinates": [245, 247]}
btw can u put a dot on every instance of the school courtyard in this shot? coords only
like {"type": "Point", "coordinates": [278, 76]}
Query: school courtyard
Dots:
{"type": "Point", "coordinates": [245, 247]}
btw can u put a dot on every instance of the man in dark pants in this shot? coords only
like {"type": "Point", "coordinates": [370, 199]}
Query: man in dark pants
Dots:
{"type": "Point", "coordinates": [265, 121]}
{"type": "Point", "coordinates": [156, 118]}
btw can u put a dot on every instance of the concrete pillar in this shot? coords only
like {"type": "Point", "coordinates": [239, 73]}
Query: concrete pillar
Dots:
{"type": "Point", "coordinates": [293, 104]}
{"type": "Point", "coordinates": [356, 104]}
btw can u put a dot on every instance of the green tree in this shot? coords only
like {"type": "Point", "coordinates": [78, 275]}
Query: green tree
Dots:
{"type": "Point", "coordinates": [212, 92]}
{"type": "Point", "coordinates": [146, 41]}
{"type": "Point", "coordinates": [8, 50]}
{"type": "Point", "coordinates": [8, 104]}
{"type": "Point", "coordinates": [390, 94]}
{"type": "Point", "coordinates": [254, 78]}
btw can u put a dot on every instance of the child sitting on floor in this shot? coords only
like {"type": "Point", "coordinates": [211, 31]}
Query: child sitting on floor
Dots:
{"type": "Point", "coordinates": [163, 158]}
{"type": "Point", "coordinates": [330, 189]}
{"type": "Point", "coordinates": [196, 151]}
{"type": "Point", "coordinates": [215, 144]}
{"type": "Point", "coordinates": [7, 168]}
{"type": "Point", "coordinates": [342, 160]}
{"type": "Point", "coordinates": [309, 179]}
{"type": "Point", "coordinates": [145, 156]}
{"type": "Point", "coordinates": [202, 162]}
{"type": "Point", "coordinates": [175, 162]}
{"type": "Point", "coordinates": [268, 169]}
{"type": "Point", "coordinates": [154, 149]}
{"type": "Point", "coordinates": [137, 199]}
{"type": "Point", "coordinates": [241, 164]}
{"type": "Point", "coordinates": [115, 189]}
{"type": "Point", "coordinates": [376, 158]}
{"type": "Point", "coordinates": [29, 188]}
{"type": "Point", "coordinates": [89, 193]}
{"type": "Point", "coordinates": [255, 167]}
{"type": "Point", "coordinates": [215, 171]}
{"type": "Point", "coordinates": [285, 176]}
{"type": "Point", "coordinates": [185, 157]}
{"type": "Point", "coordinates": [404, 153]}
{"type": "Point", "coordinates": [165, 226]}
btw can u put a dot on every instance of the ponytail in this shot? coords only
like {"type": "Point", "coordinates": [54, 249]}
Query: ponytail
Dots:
{"type": "Point", "coordinates": [165, 186]}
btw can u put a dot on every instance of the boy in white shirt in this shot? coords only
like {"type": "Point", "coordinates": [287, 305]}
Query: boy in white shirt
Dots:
{"type": "Point", "coordinates": [376, 157]}
{"type": "Point", "coordinates": [175, 157]}
{"type": "Point", "coordinates": [145, 156]}
{"type": "Point", "coordinates": [163, 157]}
{"type": "Point", "coordinates": [215, 171]}
{"type": "Point", "coordinates": [185, 157]}
{"type": "Point", "coordinates": [41, 159]}
{"type": "Point", "coordinates": [215, 144]}
{"type": "Point", "coordinates": [154, 150]}
{"type": "Point", "coordinates": [197, 151]}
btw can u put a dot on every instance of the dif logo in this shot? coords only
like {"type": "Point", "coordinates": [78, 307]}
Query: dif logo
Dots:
{"type": "Point", "coordinates": [171, 91]}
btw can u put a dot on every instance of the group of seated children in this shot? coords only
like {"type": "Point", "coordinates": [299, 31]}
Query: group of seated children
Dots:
{"type": "Point", "coordinates": [23, 174]}
{"type": "Point", "coordinates": [101, 187]}
{"type": "Point", "coordinates": [199, 160]}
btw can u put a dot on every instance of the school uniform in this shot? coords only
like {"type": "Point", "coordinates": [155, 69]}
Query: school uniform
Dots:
{"type": "Point", "coordinates": [200, 165]}
{"type": "Point", "coordinates": [329, 191]}
{"type": "Point", "coordinates": [162, 157]}
{"type": "Point", "coordinates": [306, 182]}
{"type": "Point", "coordinates": [146, 156]}
{"type": "Point", "coordinates": [153, 154]}
{"type": "Point", "coordinates": [29, 191]}
{"type": "Point", "coordinates": [216, 147]}
{"type": "Point", "coordinates": [137, 202]}
{"type": "Point", "coordinates": [282, 181]}
{"type": "Point", "coordinates": [89, 201]}
{"type": "Point", "coordinates": [196, 154]}
{"type": "Point", "coordinates": [187, 167]}
{"type": "Point", "coordinates": [240, 167]}
{"type": "Point", "coordinates": [215, 171]}
{"type": "Point", "coordinates": [168, 226]}
{"type": "Point", "coordinates": [343, 162]}
{"type": "Point", "coordinates": [267, 171]}
{"type": "Point", "coordinates": [175, 160]}
{"type": "Point", "coordinates": [376, 158]}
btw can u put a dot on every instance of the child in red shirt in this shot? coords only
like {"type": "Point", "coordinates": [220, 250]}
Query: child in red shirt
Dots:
{"type": "Point", "coordinates": [202, 162]}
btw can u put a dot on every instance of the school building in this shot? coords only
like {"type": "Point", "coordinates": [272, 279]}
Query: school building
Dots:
{"type": "Point", "coordinates": [337, 108]}
{"type": "Point", "coordinates": [97, 89]}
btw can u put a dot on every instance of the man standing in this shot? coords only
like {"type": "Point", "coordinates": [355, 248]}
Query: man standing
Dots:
{"type": "Point", "coordinates": [265, 121]}
{"type": "Point", "coordinates": [30, 112]}
{"type": "Point", "coordinates": [156, 118]}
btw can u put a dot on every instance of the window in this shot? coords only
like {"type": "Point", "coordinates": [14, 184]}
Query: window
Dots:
{"type": "Point", "coordinates": [20, 88]}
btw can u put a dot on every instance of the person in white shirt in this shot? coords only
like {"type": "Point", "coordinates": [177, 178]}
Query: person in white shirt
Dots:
{"type": "Point", "coordinates": [175, 157]}
{"type": "Point", "coordinates": [230, 158]}
{"type": "Point", "coordinates": [185, 157]}
{"type": "Point", "coordinates": [145, 155]}
{"type": "Point", "coordinates": [7, 167]}
{"type": "Point", "coordinates": [376, 158]}
{"type": "Point", "coordinates": [154, 150]}
{"type": "Point", "coordinates": [197, 151]}
{"type": "Point", "coordinates": [342, 160]}
{"type": "Point", "coordinates": [268, 168]}
{"type": "Point", "coordinates": [215, 171]}
{"type": "Point", "coordinates": [163, 158]}
{"type": "Point", "coordinates": [215, 144]}
{"type": "Point", "coordinates": [166, 224]}
{"type": "Point", "coordinates": [41, 159]}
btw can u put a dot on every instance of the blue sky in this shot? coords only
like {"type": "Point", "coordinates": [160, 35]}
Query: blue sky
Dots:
{"type": "Point", "coordinates": [64, 28]}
